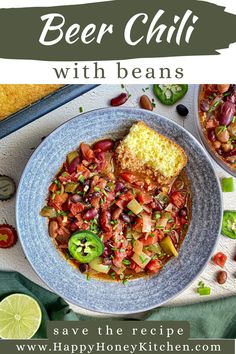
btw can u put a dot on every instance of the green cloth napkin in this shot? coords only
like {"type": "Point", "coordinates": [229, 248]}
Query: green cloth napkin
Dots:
{"type": "Point", "coordinates": [53, 307]}
{"type": "Point", "coordinates": [210, 319]}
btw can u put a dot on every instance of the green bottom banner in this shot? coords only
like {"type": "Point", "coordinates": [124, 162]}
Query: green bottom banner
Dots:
{"type": "Point", "coordinates": [103, 336]}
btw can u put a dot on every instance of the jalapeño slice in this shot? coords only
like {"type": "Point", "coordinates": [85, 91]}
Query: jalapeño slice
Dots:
{"type": "Point", "coordinates": [169, 94]}
{"type": "Point", "coordinates": [84, 246]}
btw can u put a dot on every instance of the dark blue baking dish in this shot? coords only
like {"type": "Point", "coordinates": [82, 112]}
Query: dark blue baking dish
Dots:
{"type": "Point", "coordinates": [38, 109]}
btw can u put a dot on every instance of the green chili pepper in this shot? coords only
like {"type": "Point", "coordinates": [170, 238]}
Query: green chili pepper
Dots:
{"type": "Point", "coordinates": [229, 224]}
{"type": "Point", "coordinates": [169, 94]}
{"type": "Point", "coordinates": [227, 184]}
{"type": "Point", "coordinates": [85, 246]}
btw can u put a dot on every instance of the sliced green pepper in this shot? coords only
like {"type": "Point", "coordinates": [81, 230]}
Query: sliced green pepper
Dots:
{"type": "Point", "coordinates": [169, 94]}
{"type": "Point", "coordinates": [229, 224]}
{"type": "Point", "coordinates": [227, 184]}
{"type": "Point", "coordinates": [84, 246]}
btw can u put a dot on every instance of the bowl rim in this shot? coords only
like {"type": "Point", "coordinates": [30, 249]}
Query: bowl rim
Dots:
{"type": "Point", "coordinates": [202, 137]}
{"type": "Point", "coordinates": [147, 308]}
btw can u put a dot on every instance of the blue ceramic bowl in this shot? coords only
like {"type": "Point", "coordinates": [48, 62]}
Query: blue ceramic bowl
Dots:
{"type": "Point", "coordinates": [110, 297]}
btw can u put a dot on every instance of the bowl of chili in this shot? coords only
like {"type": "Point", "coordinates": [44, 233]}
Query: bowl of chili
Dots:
{"type": "Point", "coordinates": [97, 294]}
{"type": "Point", "coordinates": [215, 120]}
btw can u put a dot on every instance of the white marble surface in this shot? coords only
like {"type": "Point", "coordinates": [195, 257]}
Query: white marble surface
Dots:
{"type": "Point", "coordinates": [16, 149]}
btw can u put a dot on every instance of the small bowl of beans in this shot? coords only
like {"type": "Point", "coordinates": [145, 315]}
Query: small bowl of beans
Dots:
{"type": "Point", "coordinates": [216, 122]}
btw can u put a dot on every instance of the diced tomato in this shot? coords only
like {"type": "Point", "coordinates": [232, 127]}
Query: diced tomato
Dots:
{"type": "Point", "coordinates": [135, 267]}
{"type": "Point", "coordinates": [87, 152]}
{"type": "Point", "coordinates": [59, 200]}
{"type": "Point", "coordinates": [128, 177]}
{"type": "Point", "coordinates": [220, 259]}
{"type": "Point", "coordinates": [109, 198]}
{"type": "Point", "coordinates": [150, 240]}
{"type": "Point", "coordinates": [124, 199]}
{"type": "Point", "coordinates": [138, 225]}
{"type": "Point", "coordinates": [53, 188]}
{"type": "Point", "coordinates": [178, 199]}
{"type": "Point", "coordinates": [116, 213]}
{"type": "Point", "coordinates": [183, 221]}
{"type": "Point", "coordinates": [212, 123]}
{"type": "Point", "coordinates": [106, 236]}
{"type": "Point", "coordinates": [144, 198]}
{"type": "Point", "coordinates": [101, 184]}
{"type": "Point", "coordinates": [76, 208]}
{"type": "Point", "coordinates": [95, 202]}
{"type": "Point", "coordinates": [64, 177]}
{"type": "Point", "coordinates": [147, 223]}
{"type": "Point", "coordinates": [154, 265]}
{"type": "Point", "coordinates": [82, 170]}
{"type": "Point", "coordinates": [105, 218]}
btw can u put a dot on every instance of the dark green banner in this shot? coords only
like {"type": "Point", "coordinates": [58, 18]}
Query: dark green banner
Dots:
{"type": "Point", "coordinates": [116, 30]}
{"type": "Point", "coordinates": [133, 337]}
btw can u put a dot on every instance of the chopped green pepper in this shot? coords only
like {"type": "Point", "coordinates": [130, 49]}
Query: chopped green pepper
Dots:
{"type": "Point", "coordinates": [169, 94]}
{"type": "Point", "coordinates": [84, 246]}
{"type": "Point", "coordinates": [227, 184]}
{"type": "Point", "coordinates": [229, 224]}
{"type": "Point", "coordinates": [71, 187]}
{"type": "Point", "coordinates": [71, 156]}
{"type": "Point", "coordinates": [204, 291]}
{"type": "Point", "coordinates": [48, 212]}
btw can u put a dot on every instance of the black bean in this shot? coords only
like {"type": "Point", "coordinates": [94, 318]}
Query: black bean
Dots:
{"type": "Point", "coordinates": [83, 267]}
{"type": "Point", "coordinates": [182, 110]}
{"type": "Point", "coordinates": [125, 217]}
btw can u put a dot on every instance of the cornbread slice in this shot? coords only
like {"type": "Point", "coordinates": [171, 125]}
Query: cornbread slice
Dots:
{"type": "Point", "coordinates": [15, 97]}
{"type": "Point", "coordinates": [145, 151]}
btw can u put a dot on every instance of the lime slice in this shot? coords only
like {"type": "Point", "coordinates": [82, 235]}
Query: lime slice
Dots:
{"type": "Point", "coordinates": [20, 317]}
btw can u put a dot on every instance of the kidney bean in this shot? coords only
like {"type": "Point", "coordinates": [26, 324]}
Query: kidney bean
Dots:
{"type": "Point", "coordinates": [83, 267]}
{"type": "Point", "coordinates": [73, 166]}
{"type": "Point", "coordinates": [145, 103]}
{"type": "Point", "coordinates": [227, 113]}
{"type": "Point", "coordinates": [93, 195]}
{"type": "Point", "coordinates": [230, 153]}
{"type": "Point", "coordinates": [104, 145]}
{"type": "Point", "coordinates": [235, 258]}
{"type": "Point", "coordinates": [125, 218]}
{"type": "Point", "coordinates": [183, 212]}
{"type": "Point", "coordinates": [204, 106]}
{"type": "Point", "coordinates": [119, 100]}
{"type": "Point", "coordinates": [119, 186]}
{"type": "Point", "coordinates": [220, 151]}
{"type": "Point", "coordinates": [75, 198]}
{"type": "Point", "coordinates": [231, 98]}
{"type": "Point", "coordinates": [90, 214]}
{"type": "Point", "coordinates": [223, 88]}
{"type": "Point", "coordinates": [53, 228]}
{"type": "Point", "coordinates": [222, 277]}
{"type": "Point", "coordinates": [211, 135]}
{"type": "Point", "coordinates": [107, 251]}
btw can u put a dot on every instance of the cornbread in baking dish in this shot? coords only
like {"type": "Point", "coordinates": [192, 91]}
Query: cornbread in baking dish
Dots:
{"type": "Point", "coordinates": [15, 97]}
{"type": "Point", "coordinates": [145, 151]}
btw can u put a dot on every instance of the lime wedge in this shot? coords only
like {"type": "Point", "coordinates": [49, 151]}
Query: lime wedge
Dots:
{"type": "Point", "coordinates": [20, 317]}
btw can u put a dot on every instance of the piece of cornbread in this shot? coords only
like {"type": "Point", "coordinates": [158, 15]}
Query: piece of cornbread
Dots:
{"type": "Point", "coordinates": [145, 151]}
{"type": "Point", "coordinates": [15, 97]}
